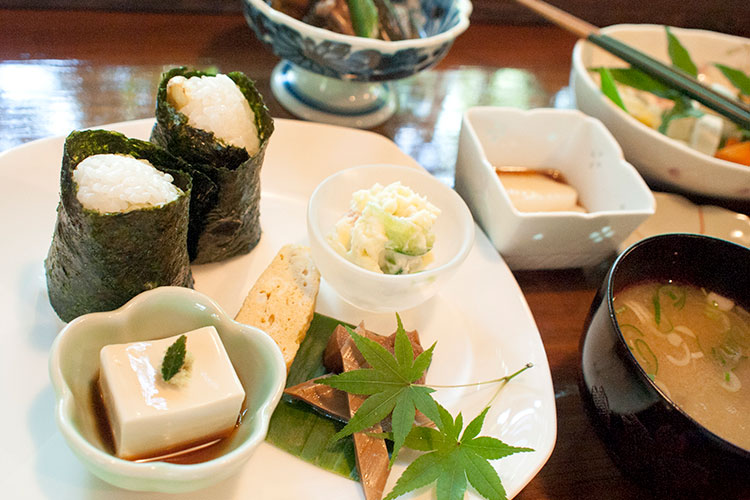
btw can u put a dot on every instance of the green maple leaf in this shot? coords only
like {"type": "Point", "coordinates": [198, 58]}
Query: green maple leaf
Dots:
{"type": "Point", "coordinates": [454, 460]}
{"type": "Point", "coordinates": [389, 385]}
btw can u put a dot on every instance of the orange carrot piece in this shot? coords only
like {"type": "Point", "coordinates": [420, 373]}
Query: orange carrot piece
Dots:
{"type": "Point", "coordinates": [737, 153]}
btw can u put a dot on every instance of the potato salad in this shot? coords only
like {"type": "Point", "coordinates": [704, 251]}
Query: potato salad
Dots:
{"type": "Point", "coordinates": [388, 229]}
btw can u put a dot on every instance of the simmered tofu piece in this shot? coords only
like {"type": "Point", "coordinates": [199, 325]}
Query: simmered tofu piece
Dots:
{"type": "Point", "coordinates": [150, 416]}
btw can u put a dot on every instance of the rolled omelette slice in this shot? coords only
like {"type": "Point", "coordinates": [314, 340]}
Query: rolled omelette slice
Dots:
{"type": "Point", "coordinates": [101, 257]}
{"type": "Point", "coordinates": [224, 223]}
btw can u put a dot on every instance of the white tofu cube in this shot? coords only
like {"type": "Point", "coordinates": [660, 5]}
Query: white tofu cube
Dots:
{"type": "Point", "coordinates": [149, 416]}
{"type": "Point", "coordinates": [706, 134]}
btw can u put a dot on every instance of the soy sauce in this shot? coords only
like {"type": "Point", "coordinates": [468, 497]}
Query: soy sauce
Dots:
{"type": "Point", "coordinates": [193, 453]}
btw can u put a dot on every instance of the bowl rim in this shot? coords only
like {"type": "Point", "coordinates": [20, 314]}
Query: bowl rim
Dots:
{"type": "Point", "coordinates": [574, 114]}
{"type": "Point", "coordinates": [641, 373]}
{"type": "Point", "coordinates": [580, 69]}
{"type": "Point", "coordinates": [163, 471]}
{"type": "Point", "coordinates": [464, 8]}
{"type": "Point", "coordinates": [458, 206]}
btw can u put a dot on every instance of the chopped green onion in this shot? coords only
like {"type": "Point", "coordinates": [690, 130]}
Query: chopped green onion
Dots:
{"type": "Point", "coordinates": [628, 325]}
{"type": "Point", "coordinates": [648, 356]}
{"type": "Point", "coordinates": [657, 307]}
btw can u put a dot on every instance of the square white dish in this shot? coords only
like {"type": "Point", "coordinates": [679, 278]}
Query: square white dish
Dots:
{"type": "Point", "coordinates": [617, 200]}
{"type": "Point", "coordinates": [481, 319]}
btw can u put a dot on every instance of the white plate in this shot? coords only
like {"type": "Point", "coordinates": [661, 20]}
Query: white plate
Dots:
{"type": "Point", "coordinates": [676, 214]}
{"type": "Point", "coordinates": [481, 320]}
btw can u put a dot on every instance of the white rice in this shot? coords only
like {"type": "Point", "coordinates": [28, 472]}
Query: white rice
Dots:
{"type": "Point", "coordinates": [216, 104]}
{"type": "Point", "coordinates": [110, 183]}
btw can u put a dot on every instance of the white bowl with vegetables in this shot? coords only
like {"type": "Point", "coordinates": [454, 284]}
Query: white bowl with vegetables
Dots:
{"type": "Point", "coordinates": [683, 155]}
{"type": "Point", "coordinates": [138, 409]}
{"type": "Point", "coordinates": [387, 237]}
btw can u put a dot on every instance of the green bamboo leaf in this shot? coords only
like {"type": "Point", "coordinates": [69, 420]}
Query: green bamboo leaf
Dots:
{"type": "Point", "coordinates": [609, 88]}
{"type": "Point", "coordinates": [298, 429]}
{"type": "Point", "coordinates": [475, 426]}
{"type": "Point", "coordinates": [491, 448]}
{"type": "Point", "coordinates": [421, 472]}
{"type": "Point", "coordinates": [736, 77]}
{"type": "Point", "coordinates": [374, 409]}
{"type": "Point", "coordinates": [365, 381]}
{"type": "Point", "coordinates": [482, 476]}
{"type": "Point", "coordinates": [679, 55]}
{"type": "Point", "coordinates": [377, 356]}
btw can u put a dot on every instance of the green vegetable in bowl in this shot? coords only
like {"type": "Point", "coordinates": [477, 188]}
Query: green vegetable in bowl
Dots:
{"type": "Point", "coordinates": [674, 114]}
{"type": "Point", "coordinates": [389, 20]}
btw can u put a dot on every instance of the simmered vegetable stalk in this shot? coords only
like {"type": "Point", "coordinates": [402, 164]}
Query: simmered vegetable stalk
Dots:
{"type": "Point", "coordinates": [389, 20]}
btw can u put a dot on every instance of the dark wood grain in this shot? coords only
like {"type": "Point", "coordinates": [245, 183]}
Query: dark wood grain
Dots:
{"type": "Point", "coordinates": [61, 70]}
{"type": "Point", "coordinates": [728, 16]}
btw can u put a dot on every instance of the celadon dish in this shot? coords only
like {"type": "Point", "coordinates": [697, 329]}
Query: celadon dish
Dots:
{"type": "Point", "coordinates": [159, 313]}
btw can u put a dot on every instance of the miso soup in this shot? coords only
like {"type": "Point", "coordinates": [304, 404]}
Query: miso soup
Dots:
{"type": "Point", "coordinates": [695, 345]}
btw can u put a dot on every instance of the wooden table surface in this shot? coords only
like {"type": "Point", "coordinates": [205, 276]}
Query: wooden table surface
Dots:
{"type": "Point", "coordinates": [65, 70]}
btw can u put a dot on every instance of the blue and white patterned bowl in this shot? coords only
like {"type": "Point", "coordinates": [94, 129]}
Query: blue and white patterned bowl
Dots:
{"type": "Point", "coordinates": [354, 58]}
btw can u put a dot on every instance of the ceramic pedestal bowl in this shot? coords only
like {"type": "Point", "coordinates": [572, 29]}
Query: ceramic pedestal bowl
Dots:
{"type": "Point", "coordinates": [341, 79]}
{"type": "Point", "coordinates": [650, 438]}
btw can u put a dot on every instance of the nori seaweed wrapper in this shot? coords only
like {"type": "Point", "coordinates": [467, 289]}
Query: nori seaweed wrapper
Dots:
{"type": "Point", "coordinates": [227, 223]}
{"type": "Point", "coordinates": [98, 261]}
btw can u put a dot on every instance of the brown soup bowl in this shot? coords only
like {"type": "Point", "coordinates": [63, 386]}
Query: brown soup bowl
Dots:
{"type": "Point", "coordinates": [651, 439]}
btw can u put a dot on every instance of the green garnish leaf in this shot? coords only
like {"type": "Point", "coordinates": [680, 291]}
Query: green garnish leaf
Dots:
{"type": "Point", "coordinates": [174, 358]}
{"type": "Point", "coordinates": [679, 55]}
{"type": "Point", "coordinates": [453, 461]}
{"type": "Point", "coordinates": [737, 77]}
{"type": "Point", "coordinates": [389, 383]}
{"type": "Point", "coordinates": [683, 108]}
{"type": "Point", "coordinates": [364, 17]}
{"type": "Point", "coordinates": [609, 88]}
{"type": "Point", "coordinates": [633, 77]}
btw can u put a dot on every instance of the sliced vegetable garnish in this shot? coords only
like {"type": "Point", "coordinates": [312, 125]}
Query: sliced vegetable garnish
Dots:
{"type": "Point", "coordinates": [609, 88]}
{"type": "Point", "coordinates": [679, 55]}
{"type": "Point", "coordinates": [633, 77]}
{"type": "Point", "coordinates": [650, 362]}
{"type": "Point", "coordinates": [736, 77]}
{"type": "Point", "coordinates": [628, 325]}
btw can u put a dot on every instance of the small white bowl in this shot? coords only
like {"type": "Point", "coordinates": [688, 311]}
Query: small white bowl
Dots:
{"type": "Point", "coordinates": [615, 196]}
{"type": "Point", "coordinates": [368, 290]}
{"type": "Point", "coordinates": [159, 313]}
{"type": "Point", "coordinates": [661, 160]}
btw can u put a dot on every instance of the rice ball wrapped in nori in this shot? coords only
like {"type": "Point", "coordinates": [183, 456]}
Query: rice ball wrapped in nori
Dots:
{"type": "Point", "coordinates": [206, 124]}
{"type": "Point", "coordinates": [121, 223]}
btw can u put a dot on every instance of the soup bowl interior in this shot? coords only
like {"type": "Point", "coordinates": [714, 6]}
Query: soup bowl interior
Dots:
{"type": "Point", "coordinates": [650, 438]}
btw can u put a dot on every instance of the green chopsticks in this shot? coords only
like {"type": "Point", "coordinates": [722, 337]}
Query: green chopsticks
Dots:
{"type": "Point", "coordinates": [674, 78]}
